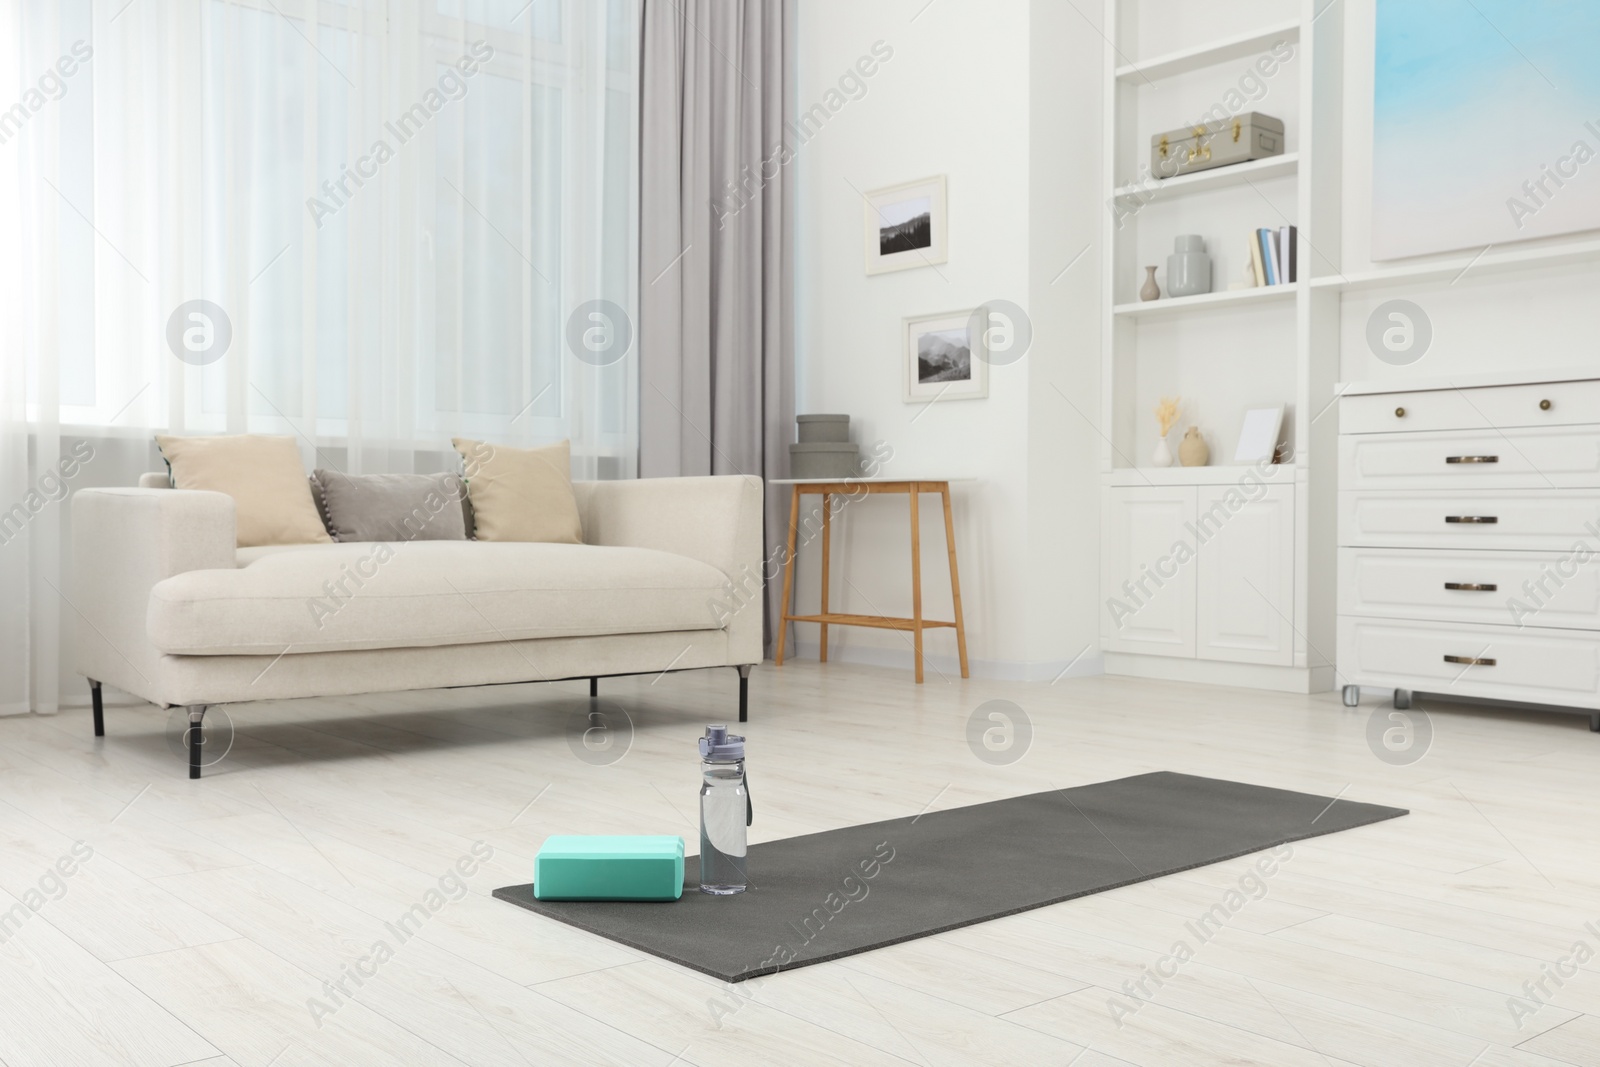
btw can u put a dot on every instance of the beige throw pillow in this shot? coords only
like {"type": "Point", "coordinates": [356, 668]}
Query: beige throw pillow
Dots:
{"type": "Point", "coordinates": [264, 475]}
{"type": "Point", "coordinates": [521, 494]}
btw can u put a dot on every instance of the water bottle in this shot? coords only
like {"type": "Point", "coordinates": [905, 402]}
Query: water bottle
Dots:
{"type": "Point", "coordinates": [725, 811]}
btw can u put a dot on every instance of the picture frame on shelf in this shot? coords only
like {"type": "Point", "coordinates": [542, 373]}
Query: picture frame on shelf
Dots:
{"type": "Point", "coordinates": [905, 226]}
{"type": "Point", "coordinates": [1258, 435]}
{"type": "Point", "coordinates": [943, 358]}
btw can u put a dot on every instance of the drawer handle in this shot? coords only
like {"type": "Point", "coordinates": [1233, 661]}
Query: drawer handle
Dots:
{"type": "Point", "coordinates": [1476, 520]}
{"type": "Point", "coordinates": [1399, 413]}
{"type": "Point", "coordinates": [1471, 661]}
{"type": "Point", "coordinates": [1472, 587]}
{"type": "Point", "coordinates": [1472, 459]}
{"type": "Point", "coordinates": [1544, 405]}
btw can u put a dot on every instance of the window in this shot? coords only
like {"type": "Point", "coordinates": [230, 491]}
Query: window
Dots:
{"type": "Point", "coordinates": [397, 207]}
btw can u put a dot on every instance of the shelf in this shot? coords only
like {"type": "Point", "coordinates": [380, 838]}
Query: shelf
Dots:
{"type": "Point", "coordinates": [1218, 52]}
{"type": "Point", "coordinates": [1220, 475]}
{"type": "Point", "coordinates": [1227, 298]}
{"type": "Point", "coordinates": [1216, 178]}
{"type": "Point", "coordinates": [1468, 267]}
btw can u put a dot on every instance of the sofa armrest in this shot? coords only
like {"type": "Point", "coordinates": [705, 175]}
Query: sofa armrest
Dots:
{"type": "Point", "coordinates": [124, 541]}
{"type": "Point", "coordinates": [716, 520]}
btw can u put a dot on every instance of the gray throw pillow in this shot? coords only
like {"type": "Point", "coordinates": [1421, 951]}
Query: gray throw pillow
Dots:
{"type": "Point", "coordinates": [392, 507]}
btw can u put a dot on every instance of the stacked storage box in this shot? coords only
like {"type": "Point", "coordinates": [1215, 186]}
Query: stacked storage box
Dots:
{"type": "Point", "coordinates": [824, 449]}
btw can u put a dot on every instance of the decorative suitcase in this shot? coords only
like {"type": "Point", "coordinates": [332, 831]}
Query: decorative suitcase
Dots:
{"type": "Point", "coordinates": [1219, 143]}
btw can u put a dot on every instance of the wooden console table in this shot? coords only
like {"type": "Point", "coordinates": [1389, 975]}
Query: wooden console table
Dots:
{"type": "Point", "coordinates": [912, 489]}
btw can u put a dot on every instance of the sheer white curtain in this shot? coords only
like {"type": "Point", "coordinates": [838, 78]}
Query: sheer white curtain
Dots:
{"type": "Point", "coordinates": [401, 213]}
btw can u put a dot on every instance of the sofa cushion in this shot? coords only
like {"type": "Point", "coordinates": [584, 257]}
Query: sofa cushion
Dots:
{"type": "Point", "coordinates": [521, 494]}
{"type": "Point", "coordinates": [272, 501]}
{"type": "Point", "coordinates": [390, 507]}
{"type": "Point", "coordinates": [321, 598]}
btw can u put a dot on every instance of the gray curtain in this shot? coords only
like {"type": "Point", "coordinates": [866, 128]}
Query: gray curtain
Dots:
{"type": "Point", "coordinates": [716, 306]}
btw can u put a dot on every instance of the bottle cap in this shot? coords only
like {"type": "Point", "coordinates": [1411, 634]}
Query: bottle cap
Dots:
{"type": "Point", "coordinates": [719, 744]}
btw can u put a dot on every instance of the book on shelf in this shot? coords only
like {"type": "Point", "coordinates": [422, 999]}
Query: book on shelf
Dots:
{"type": "Point", "coordinates": [1273, 254]}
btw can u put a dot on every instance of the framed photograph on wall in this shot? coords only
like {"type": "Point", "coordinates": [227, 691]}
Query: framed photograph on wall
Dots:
{"type": "Point", "coordinates": [906, 226]}
{"type": "Point", "coordinates": [944, 358]}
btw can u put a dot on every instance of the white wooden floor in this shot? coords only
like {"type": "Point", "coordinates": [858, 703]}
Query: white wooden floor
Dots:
{"type": "Point", "coordinates": [208, 916]}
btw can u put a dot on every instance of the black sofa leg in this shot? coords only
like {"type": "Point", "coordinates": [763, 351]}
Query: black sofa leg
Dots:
{"type": "Point", "coordinates": [99, 709]}
{"type": "Point", "coordinates": [594, 687]}
{"type": "Point", "coordinates": [744, 691]}
{"type": "Point", "coordinates": [197, 738]}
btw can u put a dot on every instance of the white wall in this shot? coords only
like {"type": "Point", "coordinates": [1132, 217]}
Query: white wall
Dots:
{"type": "Point", "coordinates": [960, 96]}
{"type": "Point", "coordinates": [1064, 303]}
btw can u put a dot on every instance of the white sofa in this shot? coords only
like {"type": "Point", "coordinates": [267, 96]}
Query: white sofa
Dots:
{"type": "Point", "coordinates": [170, 610]}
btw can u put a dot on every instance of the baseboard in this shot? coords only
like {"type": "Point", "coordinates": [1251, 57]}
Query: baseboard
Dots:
{"type": "Point", "coordinates": [943, 667]}
{"type": "Point", "coordinates": [1212, 672]}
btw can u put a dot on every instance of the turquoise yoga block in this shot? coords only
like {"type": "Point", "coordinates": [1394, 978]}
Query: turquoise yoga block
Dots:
{"type": "Point", "coordinates": [609, 868]}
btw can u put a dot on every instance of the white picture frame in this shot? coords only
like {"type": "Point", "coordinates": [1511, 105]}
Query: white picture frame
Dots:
{"type": "Point", "coordinates": [1258, 435]}
{"type": "Point", "coordinates": [905, 226]}
{"type": "Point", "coordinates": [943, 358]}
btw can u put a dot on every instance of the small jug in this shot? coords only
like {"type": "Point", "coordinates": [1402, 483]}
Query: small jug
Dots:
{"type": "Point", "coordinates": [1193, 450]}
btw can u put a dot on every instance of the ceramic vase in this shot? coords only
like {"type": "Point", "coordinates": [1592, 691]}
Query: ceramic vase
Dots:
{"type": "Point", "coordinates": [1163, 456]}
{"type": "Point", "coordinates": [1150, 290]}
{"type": "Point", "coordinates": [1193, 450]}
{"type": "Point", "coordinates": [1188, 268]}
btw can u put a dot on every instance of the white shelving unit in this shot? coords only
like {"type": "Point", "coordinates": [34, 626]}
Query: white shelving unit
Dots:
{"type": "Point", "coordinates": [1185, 60]}
{"type": "Point", "coordinates": [1221, 474]}
{"type": "Point", "coordinates": [1253, 603]}
{"type": "Point", "coordinates": [1227, 298]}
{"type": "Point", "coordinates": [1219, 178]}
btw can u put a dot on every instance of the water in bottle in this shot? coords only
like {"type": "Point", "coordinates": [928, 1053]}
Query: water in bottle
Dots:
{"type": "Point", "coordinates": [725, 811]}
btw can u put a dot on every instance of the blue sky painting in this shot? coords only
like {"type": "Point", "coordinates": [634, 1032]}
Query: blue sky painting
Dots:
{"type": "Point", "coordinates": [1486, 123]}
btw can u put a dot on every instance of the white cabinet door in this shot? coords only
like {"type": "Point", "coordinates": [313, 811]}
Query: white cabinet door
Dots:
{"type": "Point", "coordinates": [1246, 575]}
{"type": "Point", "coordinates": [1147, 574]}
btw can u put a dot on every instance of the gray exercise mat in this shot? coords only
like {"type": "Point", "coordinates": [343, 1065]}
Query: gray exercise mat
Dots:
{"type": "Point", "coordinates": [818, 897]}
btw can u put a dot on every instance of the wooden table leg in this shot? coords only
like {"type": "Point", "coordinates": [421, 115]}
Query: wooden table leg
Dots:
{"type": "Point", "coordinates": [822, 655]}
{"type": "Point", "coordinates": [788, 575]}
{"type": "Point", "coordinates": [916, 580]}
{"type": "Point", "coordinates": [955, 578]}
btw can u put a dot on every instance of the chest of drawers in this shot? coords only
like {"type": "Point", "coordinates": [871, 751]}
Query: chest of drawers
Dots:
{"type": "Point", "coordinates": [1469, 541]}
